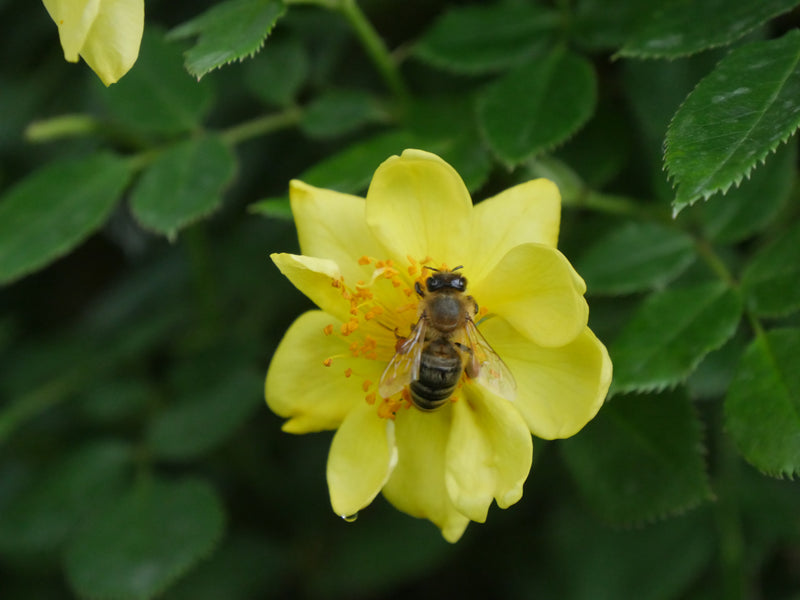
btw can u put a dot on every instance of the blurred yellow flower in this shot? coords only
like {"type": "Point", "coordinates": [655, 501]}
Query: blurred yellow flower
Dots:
{"type": "Point", "coordinates": [106, 33]}
{"type": "Point", "coordinates": [371, 267]}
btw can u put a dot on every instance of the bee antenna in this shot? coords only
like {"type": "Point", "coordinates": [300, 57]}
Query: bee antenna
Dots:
{"type": "Point", "coordinates": [458, 267]}
{"type": "Point", "coordinates": [431, 268]}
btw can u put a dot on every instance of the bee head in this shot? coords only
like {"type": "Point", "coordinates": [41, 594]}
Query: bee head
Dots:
{"type": "Point", "coordinates": [442, 280]}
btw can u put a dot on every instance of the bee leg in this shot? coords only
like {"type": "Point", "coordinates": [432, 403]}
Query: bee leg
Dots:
{"type": "Point", "coordinates": [418, 287]}
{"type": "Point", "coordinates": [475, 304]}
{"type": "Point", "coordinates": [472, 368]}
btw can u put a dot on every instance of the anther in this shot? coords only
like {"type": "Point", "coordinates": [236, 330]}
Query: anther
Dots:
{"type": "Point", "coordinates": [348, 372]}
{"type": "Point", "coordinates": [327, 362]}
{"type": "Point", "coordinates": [328, 329]}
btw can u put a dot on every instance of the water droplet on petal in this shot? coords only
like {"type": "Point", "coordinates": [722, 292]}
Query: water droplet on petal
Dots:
{"type": "Point", "coordinates": [350, 518]}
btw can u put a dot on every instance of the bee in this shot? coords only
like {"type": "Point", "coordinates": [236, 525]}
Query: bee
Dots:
{"type": "Point", "coordinates": [443, 344]}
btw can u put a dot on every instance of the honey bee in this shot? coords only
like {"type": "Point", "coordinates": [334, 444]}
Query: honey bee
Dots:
{"type": "Point", "coordinates": [443, 344]}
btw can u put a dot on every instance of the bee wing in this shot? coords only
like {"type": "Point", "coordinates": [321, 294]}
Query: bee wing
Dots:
{"type": "Point", "coordinates": [485, 366]}
{"type": "Point", "coordinates": [404, 366]}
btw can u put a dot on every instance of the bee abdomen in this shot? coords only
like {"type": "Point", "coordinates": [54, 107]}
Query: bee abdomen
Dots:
{"type": "Point", "coordinates": [438, 376]}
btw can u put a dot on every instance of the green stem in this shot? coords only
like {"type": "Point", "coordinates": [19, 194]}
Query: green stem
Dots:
{"type": "Point", "coordinates": [375, 47]}
{"type": "Point", "coordinates": [728, 521]}
{"type": "Point", "coordinates": [373, 43]}
{"type": "Point", "coordinates": [261, 126]}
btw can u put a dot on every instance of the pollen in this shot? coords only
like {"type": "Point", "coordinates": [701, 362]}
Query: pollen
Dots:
{"type": "Point", "coordinates": [327, 362]}
{"type": "Point", "coordinates": [370, 398]}
{"type": "Point", "coordinates": [348, 372]}
{"type": "Point", "coordinates": [364, 260]}
{"type": "Point", "coordinates": [366, 384]}
{"type": "Point", "coordinates": [328, 329]}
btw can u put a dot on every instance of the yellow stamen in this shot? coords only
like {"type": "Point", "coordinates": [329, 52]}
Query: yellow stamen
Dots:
{"type": "Point", "coordinates": [348, 372]}
{"type": "Point", "coordinates": [327, 362]}
{"type": "Point", "coordinates": [328, 329]}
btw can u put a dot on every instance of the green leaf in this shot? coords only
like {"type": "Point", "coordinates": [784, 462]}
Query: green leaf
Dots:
{"type": "Point", "coordinates": [762, 409]}
{"type": "Point", "coordinates": [337, 112]}
{"type": "Point", "coordinates": [641, 458]}
{"type": "Point", "coordinates": [606, 24]}
{"type": "Point", "coordinates": [734, 118]}
{"type": "Point", "coordinates": [593, 154]}
{"type": "Point", "coordinates": [481, 39]}
{"type": "Point", "coordinates": [277, 208]}
{"type": "Point", "coordinates": [681, 27]}
{"type": "Point", "coordinates": [669, 335]}
{"type": "Point", "coordinates": [278, 72]}
{"type": "Point", "coordinates": [771, 280]}
{"type": "Point", "coordinates": [350, 171]}
{"type": "Point", "coordinates": [654, 94]}
{"type": "Point", "coordinates": [146, 541]}
{"type": "Point", "coordinates": [537, 106]}
{"type": "Point", "coordinates": [242, 568]}
{"type": "Point", "coordinates": [748, 209]}
{"type": "Point", "coordinates": [229, 31]}
{"type": "Point", "coordinates": [157, 96]}
{"type": "Point", "coordinates": [445, 125]}
{"type": "Point", "coordinates": [636, 257]}
{"type": "Point", "coordinates": [41, 517]}
{"type": "Point", "coordinates": [54, 209]}
{"type": "Point", "coordinates": [198, 423]}
{"type": "Point", "coordinates": [183, 185]}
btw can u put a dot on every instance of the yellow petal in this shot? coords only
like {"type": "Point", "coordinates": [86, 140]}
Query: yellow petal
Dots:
{"type": "Point", "coordinates": [489, 453]}
{"type": "Point", "coordinates": [418, 206]}
{"type": "Point", "coordinates": [112, 45]}
{"type": "Point", "coordinates": [74, 20]}
{"type": "Point", "coordinates": [534, 289]}
{"type": "Point", "coordinates": [301, 388]}
{"type": "Point", "coordinates": [417, 484]}
{"type": "Point", "coordinates": [559, 390]}
{"type": "Point", "coordinates": [314, 277]}
{"type": "Point", "coordinates": [362, 456]}
{"type": "Point", "coordinates": [334, 226]}
{"type": "Point", "coordinates": [526, 213]}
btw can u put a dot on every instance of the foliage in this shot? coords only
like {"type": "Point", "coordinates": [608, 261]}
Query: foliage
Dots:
{"type": "Point", "coordinates": [139, 311]}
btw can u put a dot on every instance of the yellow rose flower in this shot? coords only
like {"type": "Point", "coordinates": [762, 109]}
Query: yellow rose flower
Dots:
{"type": "Point", "coordinates": [366, 264]}
{"type": "Point", "coordinates": [106, 33]}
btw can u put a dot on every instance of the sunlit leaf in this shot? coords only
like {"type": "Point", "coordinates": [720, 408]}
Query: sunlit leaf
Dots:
{"type": "Point", "coordinates": [771, 280]}
{"type": "Point", "coordinates": [479, 39]}
{"type": "Point", "coordinates": [762, 409]}
{"type": "Point", "coordinates": [669, 335]}
{"type": "Point", "coordinates": [734, 118]}
{"type": "Point", "coordinates": [229, 31]}
{"type": "Point", "coordinates": [680, 27]}
{"type": "Point", "coordinates": [537, 106]}
{"type": "Point", "coordinates": [143, 543]}
{"type": "Point", "coordinates": [641, 458]}
{"type": "Point", "coordinates": [54, 209]}
{"type": "Point", "coordinates": [635, 257]}
{"type": "Point", "coordinates": [183, 184]}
